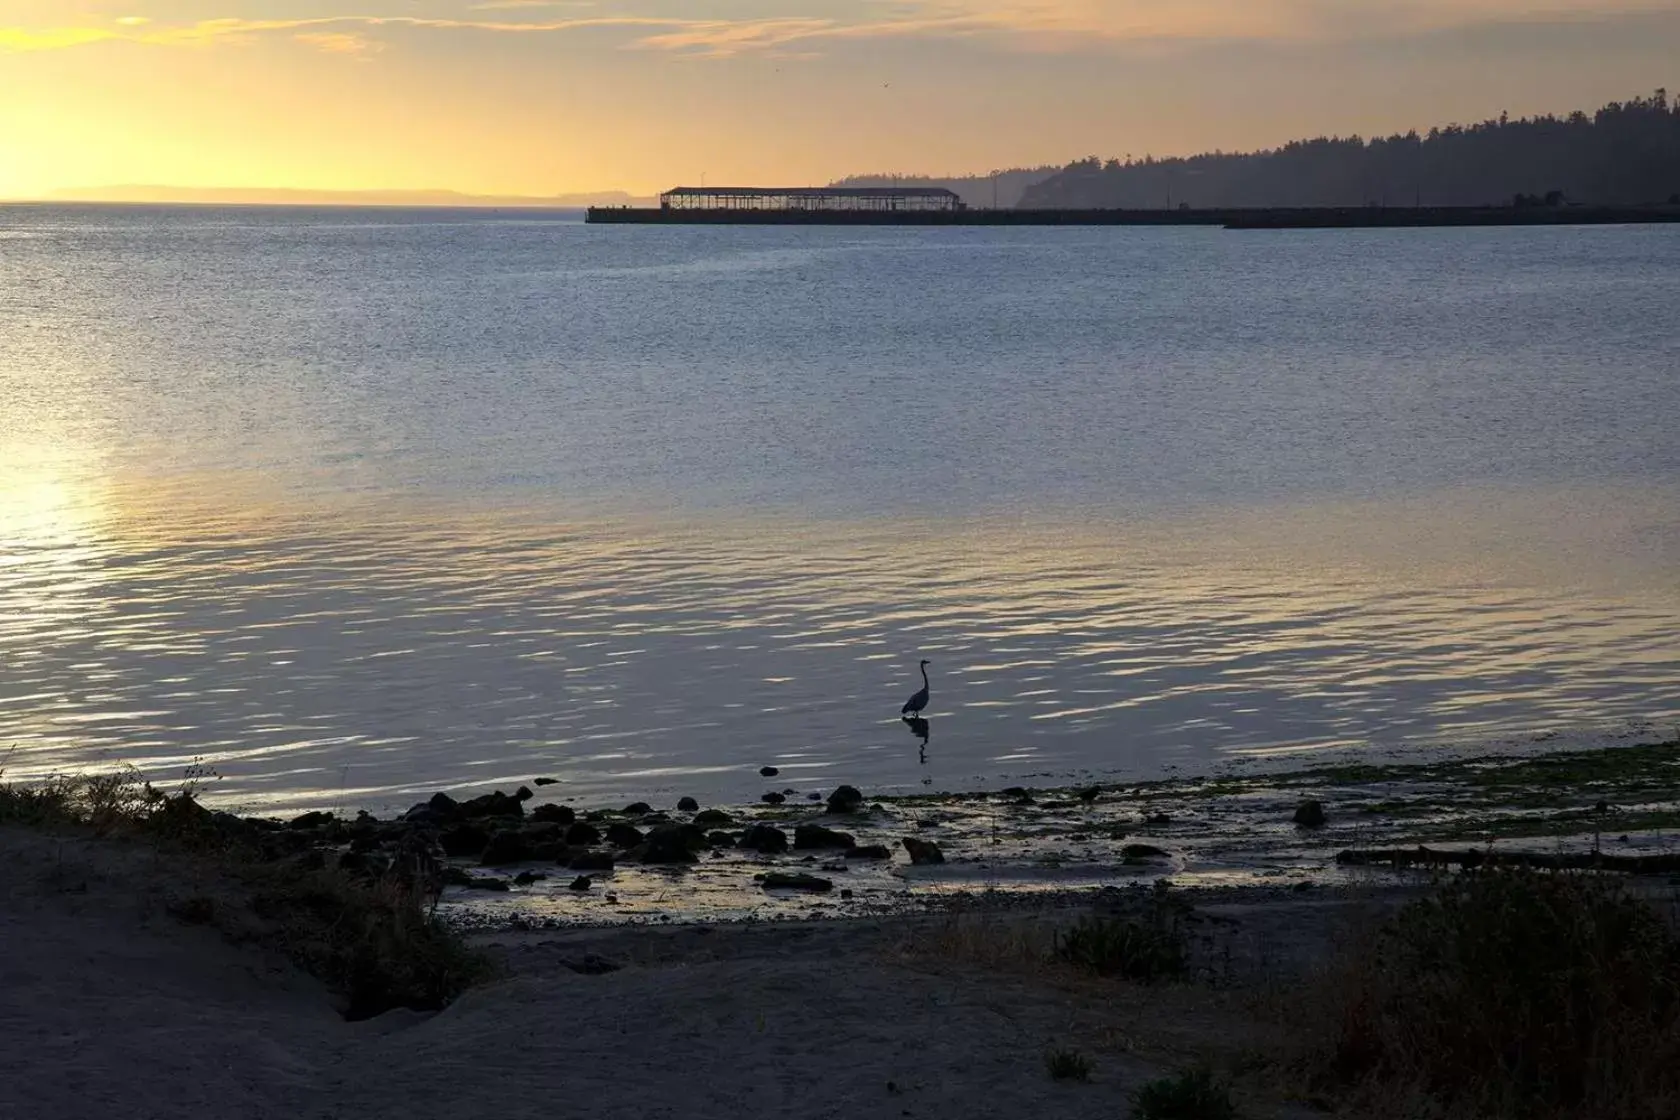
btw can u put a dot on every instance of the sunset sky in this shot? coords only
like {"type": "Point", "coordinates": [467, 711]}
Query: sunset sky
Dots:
{"type": "Point", "coordinates": [534, 97]}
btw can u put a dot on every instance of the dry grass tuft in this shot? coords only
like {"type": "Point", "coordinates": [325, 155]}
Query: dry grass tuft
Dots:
{"type": "Point", "coordinates": [1068, 1065]}
{"type": "Point", "coordinates": [1194, 1094]}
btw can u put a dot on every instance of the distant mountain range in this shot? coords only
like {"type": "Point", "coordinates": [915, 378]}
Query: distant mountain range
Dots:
{"type": "Point", "coordinates": [273, 196]}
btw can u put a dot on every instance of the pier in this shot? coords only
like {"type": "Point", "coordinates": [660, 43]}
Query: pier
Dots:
{"type": "Point", "coordinates": [932, 206]}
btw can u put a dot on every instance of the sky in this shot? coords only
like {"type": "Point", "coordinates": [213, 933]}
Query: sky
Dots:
{"type": "Point", "coordinates": [540, 97]}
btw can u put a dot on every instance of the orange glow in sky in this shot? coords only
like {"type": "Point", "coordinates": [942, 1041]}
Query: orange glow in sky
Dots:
{"type": "Point", "coordinates": [540, 97]}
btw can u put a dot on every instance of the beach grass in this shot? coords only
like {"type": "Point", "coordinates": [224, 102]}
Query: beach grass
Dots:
{"type": "Point", "coordinates": [1067, 1065]}
{"type": "Point", "coordinates": [371, 938]}
{"type": "Point", "coordinates": [1194, 1094]}
{"type": "Point", "coordinates": [1511, 993]}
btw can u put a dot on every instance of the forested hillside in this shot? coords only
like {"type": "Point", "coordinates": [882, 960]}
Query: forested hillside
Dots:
{"type": "Point", "coordinates": [1626, 153]}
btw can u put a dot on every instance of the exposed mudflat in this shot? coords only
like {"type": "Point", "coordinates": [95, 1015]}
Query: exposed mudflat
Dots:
{"type": "Point", "coordinates": [1619, 795]}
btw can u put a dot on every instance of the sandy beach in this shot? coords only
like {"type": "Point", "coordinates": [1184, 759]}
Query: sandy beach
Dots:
{"type": "Point", "coordinates": [145, 977]}
{"type": "Point", "coordinates": [114, 1006]}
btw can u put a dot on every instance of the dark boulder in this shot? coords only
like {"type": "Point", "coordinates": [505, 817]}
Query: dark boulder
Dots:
{"type": "Point", "coordinates": [488, 884]}
{"type": "Point", "coordinates": [497, 804]}
{"type": "Point", "coordinates": [539, 782]}
{"type": "Point", "coordinates": [523, 793]}
{"type": "Point", "coordinates": [768, 771]}
{"type": "Point", "coordinates": [688, 805]}
{"type": "Point", "coordinates": [713, 818]}
{"type": "Point", "coordinates": [463, 840]}
{"type": "Point", "coordinates": [813, 797]}
{"type": "Point", "coordinates": [444, 806]}
{"type": "Point", "coordinates": [637, 809]}
{"type": "Point", "coordinates": [923, 851]}
{"type": "Point", "coordinates": [870, 851]}
{"type": "Point", "coordinates": [669, 844]}
{"type": "Point", "coordinates": [796, 881]}
{"type": "Point", "coordinates": [812, 836]}
{"type": "Point", "coordinates": [456, 877]}
{"type": "Point", "coordinates": [773, 798]}
{"type": "Point", "coordinates": [506, 847]}
{"type": "Point", "coordinates": [582, 835]}
{"type": "Point", "coordinates": [591, 861]}
{"type": "Point", "coordinates": [421, 816]}
{"type": "Point", "coordinates": [526, 878]}
{"type": "Point", "coordinates": [556, 814]}
{"type": "Point", "coordinates": [1141, 851]}
{"type": "Point", "coordinates": [547, 851]}
{"type": "Point", "coordinates": [846, 799]}
{"type": "Point", "coordinates": [1310, 814]}
{"type": "Point", "coordinates": [311, 820]}
{"type": "Point", "coordinates": [582, 883]}
{"type": "Point", "coordinates": [720, 839]}
{"type": "Point", "coordinates": [764, 839]}
{"type": "Point", "coordinates": [1157, 819]}
{"type": "Point", "coordinates": [621, 835]}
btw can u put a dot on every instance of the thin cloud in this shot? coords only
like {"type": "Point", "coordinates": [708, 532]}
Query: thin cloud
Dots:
{"type": "Point", "coordinates": [341, 42]}
{"type": "Point", "coordinates": [1022, 24]}
{"type": "Point", "coordinates": [230, 30]}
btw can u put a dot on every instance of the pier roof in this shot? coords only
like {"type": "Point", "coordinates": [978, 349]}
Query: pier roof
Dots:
{"type": "Point", "coordinates": [810, 198]}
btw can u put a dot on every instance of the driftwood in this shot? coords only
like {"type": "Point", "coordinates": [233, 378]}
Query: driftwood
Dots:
{"type": "Point", "coordinates": [1481, 857]}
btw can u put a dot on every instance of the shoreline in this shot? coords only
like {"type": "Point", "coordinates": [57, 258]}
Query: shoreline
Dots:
{"type": "Point", "coordinates": [538, 857]}
{"type": "Point", "coordinates": [961, 998]}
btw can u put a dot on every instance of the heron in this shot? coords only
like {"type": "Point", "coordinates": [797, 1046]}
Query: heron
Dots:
{"type": "Point", "coordinates": [914, 705]}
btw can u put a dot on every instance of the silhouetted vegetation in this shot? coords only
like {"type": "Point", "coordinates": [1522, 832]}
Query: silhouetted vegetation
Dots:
{"type": "Point", "coordinates": [1194, 1094]}
{"type": "Point", "coordinates": [369, 936]}
{"type": "Point", "coordinates": [1627, 153]}
{"type": "Point", "coordinates": [1152, 948]}
{"type": "Point", "coordinates": [1514, 994]}
{"type": "Point", "coordinates": [1068, 1065]}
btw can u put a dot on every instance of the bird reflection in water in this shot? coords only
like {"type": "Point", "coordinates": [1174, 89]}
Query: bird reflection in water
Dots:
{"type": "Point", "coordinates": [919, 728]}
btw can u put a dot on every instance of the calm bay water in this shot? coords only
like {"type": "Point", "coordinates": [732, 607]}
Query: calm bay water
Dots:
{"type": "Point", "coordinates": [354, 504]}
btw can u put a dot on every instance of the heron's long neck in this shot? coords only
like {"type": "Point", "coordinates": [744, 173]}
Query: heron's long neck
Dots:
{"type": "Point", "coordinates": [924, 676]}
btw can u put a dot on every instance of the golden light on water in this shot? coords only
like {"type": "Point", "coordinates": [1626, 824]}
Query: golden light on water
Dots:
{"type": "Point", "coordinates": [302, 648]}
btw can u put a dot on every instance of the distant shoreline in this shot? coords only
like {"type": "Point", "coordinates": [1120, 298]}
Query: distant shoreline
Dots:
{"type": "Point", "coordinates": [1371, 217]}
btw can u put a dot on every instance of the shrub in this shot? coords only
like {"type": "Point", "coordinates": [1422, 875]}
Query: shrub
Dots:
{"type": "Point", "coordinates": [1147, 949]}
{"type": "Point", "coordinates": [1068, 1065]}
{"type": "Point", "coordinates": [1192, 1095]}
{"type": "Point", "coordinates": [373, 942]}
{"type": "Point", "coordinates": [1518, 993]}
{"type": "Point", "coordinates": [372, 937]}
